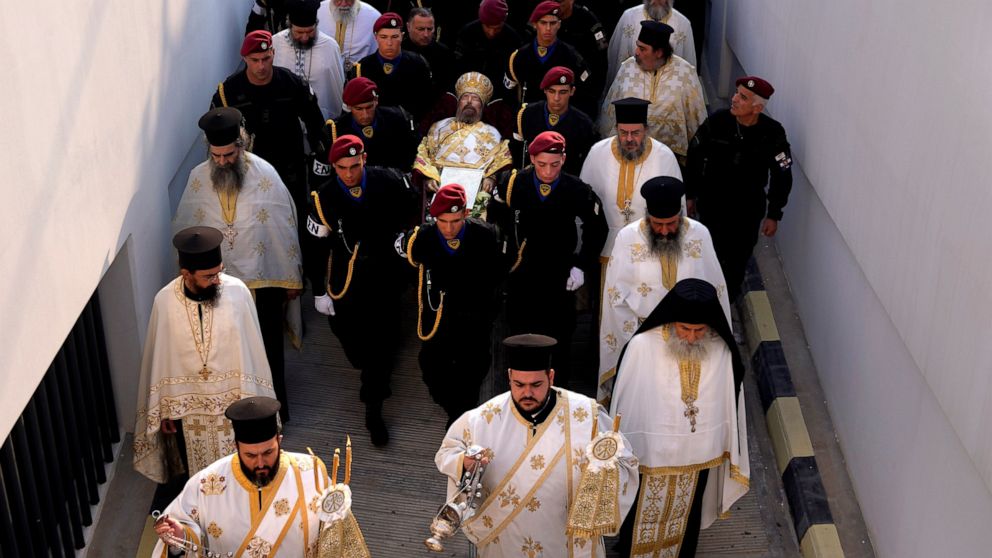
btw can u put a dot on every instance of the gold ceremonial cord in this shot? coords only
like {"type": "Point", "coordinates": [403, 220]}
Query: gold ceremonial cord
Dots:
{"type": "Point", "coordinates": [420, 309]}
{"type": "Point", "coordinates": [358, 69]}
{"type": "Point", "coordinates": [509, 186]}
{"type": "Point", "coordinates": [220, 91]}
{"type": "Point", "coordinates": [513, 74]}
{"type": "Point", "coordinates": [334, 130]}
{"type": "Point", "coordinates": [409, 247]}
{"type": "Point", "coordinates": [520, 256]}
{"type": "Point", "coordinates": [330, 257]}
{"type": "Point", "coordinates": [520, 121]}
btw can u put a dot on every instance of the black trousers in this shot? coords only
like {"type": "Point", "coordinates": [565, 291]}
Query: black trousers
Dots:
{"type": "Point", "coordinates": [167, 492]}
{"type": "Point", "coordinates": [454, 364]}
{"type": "Point", "coordinates": [367, 323]}
{"type": "Point", "coordinates": [531, 308]}
{"type": "Point", "coordinates": [270, 303]}
{"type": "Point", "coordinates": [735, 233]}
{"type": "Point", "coordinates": [690, 540]}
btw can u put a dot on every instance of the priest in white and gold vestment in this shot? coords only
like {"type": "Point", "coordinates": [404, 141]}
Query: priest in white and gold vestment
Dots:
{"type": "Point", "coordinates": [350, 25]}
{"type": "Point", "coordinates": [259, 501]}
{"type": "Point", "coordinates": [538, 437]}
{"type": "Point", "coordinates": [679, 392]}
{"type": "Point", "coordinates": [649, 257]}
{"type": "Point", "coordinates": [241, 195]}
{"type": "Point", "coordinates": [670, 83]}
{"type": "Point", "coordinates": [465, 142]}
{"type": "Point", "coordinates": [624, 39]}
{"type": "Point", "coordinates": [203, 351]}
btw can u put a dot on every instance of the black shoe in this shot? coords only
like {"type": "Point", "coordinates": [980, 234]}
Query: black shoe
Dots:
{"type": "Point", "coordinates": [377, 428]}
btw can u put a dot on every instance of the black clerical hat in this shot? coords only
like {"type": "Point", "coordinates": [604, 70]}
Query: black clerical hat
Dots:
{"type": "Point", "coordinates": [663, 195]}
{"type": "Point", "coordinates": [221, 125]}
{"type": "Point", "coordinates": [631, 110]}
{"type": "Point", "coordinates": [655, 33]}
{"type": "Point", "coordinates": [303, 13]}
{"type": "Point", "coordinates": [199, 248]}
{"type": "Point", "coordinates": [254, 419]}
{"type": "Point", "coordinates": [528, 352]}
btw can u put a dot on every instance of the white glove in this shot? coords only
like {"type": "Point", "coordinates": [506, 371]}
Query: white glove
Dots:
{"type": "Point", "coordinates": [576, 278]}
{"type": "Point", "coordinates": [324, 304]}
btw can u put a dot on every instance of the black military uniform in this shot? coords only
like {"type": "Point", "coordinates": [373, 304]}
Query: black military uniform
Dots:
{"type": "Point", "coordinates": [542, 232]}
{"type": "Point", "coordinates": [272, 115]}
{"type": "Point", "coordinates": [578, 129]}
{"type": "Point", "coordinates": [474, 52]}
{"type": "Point", "coordinates": [455, 358]}
{"type": "Point", "coordinates": [404, 81]}
{"type": "Point", "coordinates": [390, 141]}
{"type": "Point", "coordinates": [269, 15]}
{"type": "Point", "coordinates": [441, 61]}
{"type": "Point", "coordinates": [526, 69]}
{"type": "Point", "coordinates": [728, 168]}
{"type": "Point", "coordinates": [583, 31]}
{"type": "Point", "coordinates": [355, 229]}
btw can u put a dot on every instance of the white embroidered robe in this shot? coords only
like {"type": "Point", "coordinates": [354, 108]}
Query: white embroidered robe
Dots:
{"type": "Point", "coordinates": [624, 38]}
{"type": "Point", "coordinates": [172, 384]}
{"type": "Point", "coordinates": [634, 286]}
{"type": "Point", "coordinates": [450, 143]}
{"type": "Point", "coordinates": [355, 39]}
{"type": "Point", "coordinates": [320, 66]}
{"type": "Point", "coordinates": [225, 512]}
{"type": "Point", "coordinates": [533, 476]}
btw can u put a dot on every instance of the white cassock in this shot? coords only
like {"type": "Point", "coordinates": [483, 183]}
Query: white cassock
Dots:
{"type": "Point", "coordinates": [624, 38]}
{"type": "Point", "coordinates": [355, 39]}
{"type": "Point", "coordinates": [677, 107]}
{"type": "Point", "coordinates": [651, 395]}
{"type": "Point", "coordinates": [198, 359]}
{"type": "Point", "coordinates": [618, 181]}
{"type": "Point", "coordinates": [533, 476]}
{"type": "Point", "coordinates": [261, 245]}
{"type": "Point", "coordinates": [637, 280]}
{"type": "Point", "coordinates": [225, 512]}
{"type": "Point", "coordinates": [320, 66]}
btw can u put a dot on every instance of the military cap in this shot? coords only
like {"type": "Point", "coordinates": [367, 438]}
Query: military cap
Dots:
{"type": "Point", "coordinates": [345, 146]}
{"type": "Point", "coordinates": [655, 33]}
{"type": "Point", "coordinates": [631, 110]}
{"type": "Point", "coordinates": [254, 419]}
{"type": "Point", "coordinates": [756, 85]}
{"type": "Point", "coordinates": [360, 90]}
{"type": "Point", "coordinates": [256, 41]}
{"type": "Point", "coordinates": [450, 198]}
{"type": "Point", "coordinates": [548, 7]}
{"type": "Point", "coordinates": [547, 142]}
{"type": "Point", "coordinates": [559, 75]}
{"type": "Point", "coordinates": [663, 195]}
{"type": "Point", "coordinates": [303, 13]}
{"type": "Point", "coordinates": [388, 20]}
{"type": "Point", "coordinates": [492, 12]}
{"type": "Point", "coordinates": [198, 247]}
{"type": "Point", "coordinates": [221, 125]}
{"type": "Point", "coordinates": [528, 352]}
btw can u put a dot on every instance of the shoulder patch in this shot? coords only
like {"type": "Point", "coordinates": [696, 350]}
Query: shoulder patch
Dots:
{"type": "Point", "coordinates": [316, 229]}
{"type": "Point", "coordinates": [784, 161]}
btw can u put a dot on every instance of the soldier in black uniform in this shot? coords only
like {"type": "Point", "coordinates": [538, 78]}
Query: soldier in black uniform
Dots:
{"type": "Point", "coordinates": [388, 133]}
{"type": "Point", "coordinates": [733, 156]}
{"type": "Point", "coordinates": [268, 15]}
{"type": "Point", "coordinates": [554, 113]}
{"type": "Point", "coordinates": [274, 101]}
{"type": "Point", "coordinates": [485, 44]}
{"type": "Point", "coordinates": [420, 38]}
{"type": "Point", "coordinates": [357, 279]}
{"type": "Point", "coordinates": [460, 266]}
{"type": "Point", "coordinates": [528, 64]}
{"type": "Point", "coordinates": [404, 78]}
{"type": "Point", "coordinates": [535, 210]}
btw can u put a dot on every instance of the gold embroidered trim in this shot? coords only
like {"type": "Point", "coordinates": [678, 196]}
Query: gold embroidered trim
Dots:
{"type": "Point", "coordinates": [202, 336]}
{"type": "Point", "coordinates": [220, 92]}
{"type": "Point", "coordinates": [629, 172]}
{"type": "Point", "coordinates": [657, 527]}
{"type": "Point", "coordinates": [334, 132]}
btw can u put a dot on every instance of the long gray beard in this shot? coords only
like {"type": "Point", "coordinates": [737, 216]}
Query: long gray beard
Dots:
{"type": "Point", "coordinates": [227, 179]}
{"type": "Point", "coordinates": [665, 247]}
{"type": "Point", "coordinates": [684, 350]}
{"type": "Point", "coordinates": [635, 154]}
{"type": "Point", "coordinates": [657, 13]}
{"type": "Point", "coordinates": [348, 16]}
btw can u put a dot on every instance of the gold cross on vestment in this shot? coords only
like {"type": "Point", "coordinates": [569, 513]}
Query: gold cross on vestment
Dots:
{"type": "Point", "coordinates": [229, 235]}
{"type": "Point", "coordinates": [691, 411]}
{"type": "Point", "coordinates": [627, 212]}
{"type": "Point", "coordinates": [195, 426]}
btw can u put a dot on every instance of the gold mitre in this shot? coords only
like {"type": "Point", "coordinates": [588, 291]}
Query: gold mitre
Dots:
{"type": "Point", "coordinates": [474, 82]}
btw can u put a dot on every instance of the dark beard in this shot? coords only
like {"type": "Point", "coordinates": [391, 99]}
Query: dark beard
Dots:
{"type": "Point", "coordinates": [301, 45]}
{"type": "Point", "coordinates": [635, 154]}
{"type": "Point", "coordinates": [465, 117]}
{"type": "Point", "coordinates": [663, 245]}
{"type": "Point", "coordinates": [227, 178]}
{"type": "Point", "coordinates": [260, 482]}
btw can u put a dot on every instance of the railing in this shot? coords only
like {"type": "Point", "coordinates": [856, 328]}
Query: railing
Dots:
{"type": "Point", "coordinates": [56, 454]}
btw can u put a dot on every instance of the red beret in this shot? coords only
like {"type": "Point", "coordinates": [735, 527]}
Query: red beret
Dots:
{"type": "Point", "coordinates": [559, 75]}
{"type": "Point", "coordinates": [757, 85]}
{"type": "Point", "coordinates": [360, 90]}
{"type": "Point", "coordinates": [492, 12]}
{"type": "Point", "coordinates": [548, 7]}
{"type": "Point", "coordinates": [450, 198]}
{"type": "Point", "coordinates": [256, 41]}
{"type": "Point", "coordinates": [547, 142]}
{"type": "Point", "coordinates": [345, 146]}
{"type": "Point", "coordinates": [392, 20]}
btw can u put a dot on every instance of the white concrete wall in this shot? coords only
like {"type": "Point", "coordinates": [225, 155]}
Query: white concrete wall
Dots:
{"type": "Point", "coordinates": [885, 242]}
{"type": "Point", "coordinates": [98, 108]}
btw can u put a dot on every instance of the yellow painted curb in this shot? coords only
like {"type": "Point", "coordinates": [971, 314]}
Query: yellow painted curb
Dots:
{"type": "Point", "coordinates": [788, 431]}
{"type": "Point", "coordinates": [759, 320]}
{"type": "Point", "coordinates": [822, 541]}
{"type": "Point", "coordinates": [148, 539]}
